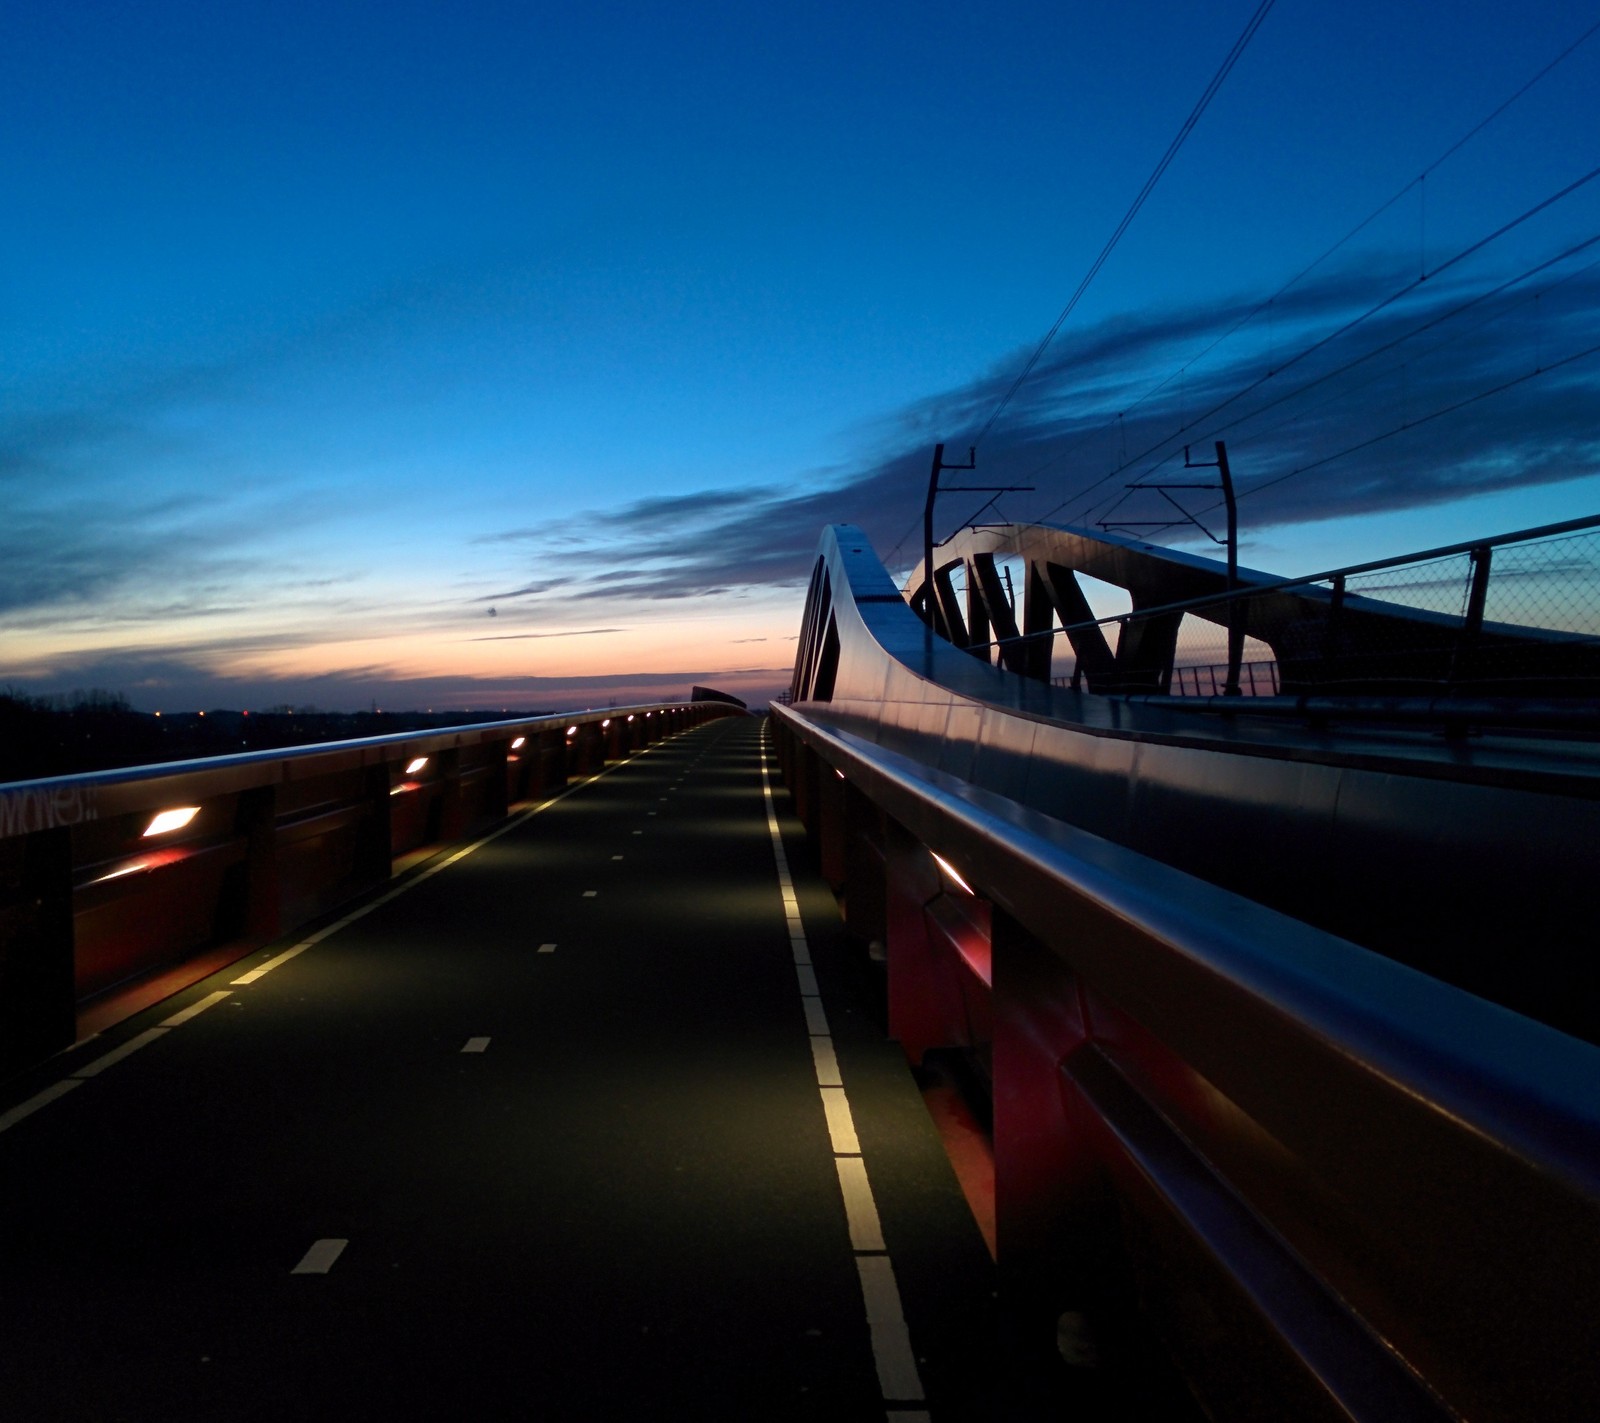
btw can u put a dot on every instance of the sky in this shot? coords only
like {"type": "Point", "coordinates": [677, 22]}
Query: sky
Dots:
{"type": "Point", "coordinates": [490, 355]}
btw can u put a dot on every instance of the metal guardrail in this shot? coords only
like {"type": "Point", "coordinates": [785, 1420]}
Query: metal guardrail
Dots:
{"type": "Point", "coordinates": [110, 878]}
{"type": "Point", "coordinates": [1341, 1188]}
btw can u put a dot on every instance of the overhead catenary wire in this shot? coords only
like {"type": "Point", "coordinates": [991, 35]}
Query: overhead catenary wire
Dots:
{"type": "Point", "coordinates": [1383, 207]}
{"type": "Point", "coordinates": [1381, 305]}
{"type": "Point", "coordinates": [1437, 319]}
{"type": "Point", "coordinates": [1187, 127]}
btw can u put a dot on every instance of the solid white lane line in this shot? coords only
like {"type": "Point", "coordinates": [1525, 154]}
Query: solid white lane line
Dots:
{"type": "Point", "coordinates": [99, 1065]}
{"type": "Point", "coordinates": [826, 1062]}
{"type": "Point", "coordinates": [816, 1019]}
{"type": "Point", "coordinates": [476, 1045]}
{"type": "Point", "coordinates": [841, 1125]}
{"type": "Point", "coordinates": [10, 1118]}
{"type": "Point", "coordinates": [802, 954]}
{"type": "Point", "coordinates": [547, 948]}
{"type": "Point", "coordinates": [891, 1341]}
{"type": "Point", "coordinates": [318, 1260]}
{"type": "Point", "coordinates": [194, 1010]}
{"type": "Point", "coordinates": [866, 1233]}
{"type": "Point", "coordinates": [808, 980]}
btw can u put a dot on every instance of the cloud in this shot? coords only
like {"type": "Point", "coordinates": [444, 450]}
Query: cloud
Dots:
{"type": "Point", "coordinates": [1335, 400]}
{"type": "Point", "coordinates": [521, 636]}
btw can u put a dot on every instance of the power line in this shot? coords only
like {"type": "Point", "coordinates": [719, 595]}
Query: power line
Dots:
{"type": "Point", "coordinates": [1300, 276]}
{"type": "Point", "coordinates": [1128, 217]}
{"type": "Point", "coordinates": [1398, 294]}
{"type": "Point", "coordinates": [1420, 420]}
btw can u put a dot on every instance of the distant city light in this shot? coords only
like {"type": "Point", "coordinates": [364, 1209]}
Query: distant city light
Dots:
{"type": "Point", "coordinates": [174, 819]}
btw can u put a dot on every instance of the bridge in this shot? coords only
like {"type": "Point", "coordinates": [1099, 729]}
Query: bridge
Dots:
{"type": "Point", "coordinates": [558, 1067]}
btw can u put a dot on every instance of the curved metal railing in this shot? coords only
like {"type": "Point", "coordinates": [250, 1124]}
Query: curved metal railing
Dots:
{"type": "Point", "coordinates": [1341, 1186]}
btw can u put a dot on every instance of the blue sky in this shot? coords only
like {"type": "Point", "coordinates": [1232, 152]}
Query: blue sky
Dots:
{"type": "Point", "coordinates": [327, 329]}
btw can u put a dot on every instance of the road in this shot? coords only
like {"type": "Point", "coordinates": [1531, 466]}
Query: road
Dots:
{"type": "Point", "coordinates": [560, 1126]}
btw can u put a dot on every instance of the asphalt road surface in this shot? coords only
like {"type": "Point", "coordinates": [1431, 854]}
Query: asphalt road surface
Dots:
{"type": "Point", "coordinates": [564, 1127]}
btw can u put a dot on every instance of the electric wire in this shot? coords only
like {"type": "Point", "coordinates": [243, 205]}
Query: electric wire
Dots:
{"type": "Point", "coordinates": [1300, 276]}
{"type": "Point", "coordinates": [1105, 509]}
{"type": "Point", "coordinates": [1187, 127]}
{"type": "Point", "coordinates": [1383, 304]}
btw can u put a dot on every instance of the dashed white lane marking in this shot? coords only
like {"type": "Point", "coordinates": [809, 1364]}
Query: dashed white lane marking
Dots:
{"type": "Point", "coordinates": [57, 1090]}
{"type": "Point", "coordinates": [891, 1341]}
{"type": "Point", "coordinates": [638, 832]}
{"type": "Point", "coordinates": [826, 1062]}
{"type": "Point", "coordinates": [591, 893]}
{"type": "Point", "coordinates": [841, 1125]}
{"type": "Point", "coordinates": [898, 1378]}
{"type": "Point", "coordinates": [476, 1045]}
{"type": "Point", "coordinates": [194, 1010]}
{"type": "Point", "coordinates": [861, 1210]}
{"type": "Point", "coordinates": [10, 1118]}
{"type": "Point", "coordinates": [99, 1065]}
{"type": "Point", "coordinates": [616, 857]}
{"type": "Point", "coordinates": [318, 1260]}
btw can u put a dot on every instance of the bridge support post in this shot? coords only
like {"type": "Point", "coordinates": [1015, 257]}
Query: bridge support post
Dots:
{"type": "Point", "coordinates": [1054, 1216]}
{"type": "Point", "coordinates": [865, 869]}
{"type": "Point", "coordinates": [37, 1009]}
{"type": "Point", "coordinates": [258, 911]}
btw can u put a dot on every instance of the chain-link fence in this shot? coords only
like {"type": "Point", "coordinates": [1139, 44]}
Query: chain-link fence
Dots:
{"type": "Point", "coordinates": [1515, 617]}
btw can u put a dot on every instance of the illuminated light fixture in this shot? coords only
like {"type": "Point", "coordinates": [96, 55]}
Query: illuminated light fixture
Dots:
{"type": "Point", "coordinates": [519, 743]}
{"type": "Point", "coordinates": [838, 773]}
{"type": "Point", "coordinates": [403, 787]}
{"type": "Point", "coordinates": [572, 731]}
{"type": "Point", "coordinates": [416, 765]}
{"type": "Point", "coordinates": [605, 723]}
{"type": "Point", "coordinates": [174, 819]}
{"type": "Point", "coordinates": [949, 869]}
{"type": "Point", "coordinates": [630, 718]}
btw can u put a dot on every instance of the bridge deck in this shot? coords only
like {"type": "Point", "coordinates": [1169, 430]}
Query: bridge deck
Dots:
{"type": "Point", "coordinates": [541, 1132]}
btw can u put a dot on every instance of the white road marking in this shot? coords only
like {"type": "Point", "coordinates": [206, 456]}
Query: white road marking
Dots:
{"type": "Point", "coordinates": [802, 954]}
{"type": "Point", "coordinates": [616, 857]}
{"type": "Point", "coordinates": [866, 1233]}
{"type": "Point", "coordinates": [891, 1341]}
{"type": "Point", "coordinates": [816, 1019]}
{"type": "Point", "coordinates": [547, 948]}
{"type": "Point", "coordinates": [318, 1260]}
{"type": "Point", "coordinates": [112, 1058]}
{"type": "Point", "coordinates": [476, 1045]}
{"type": "Point", "coordinates": [638, 832]}
{"type": "Point", "coordinates": [841, 1125]}
{"type": "Point", "coordinates": [194, 1010]}
{"type": "Point", "coordinates": [590, 893]}
{"type": "Point", "coordinates": [10, 1118]}
{"type": "Point", "coordinates": [808, 980]}
{"type": "Point", "coordinates": [826, 1062]}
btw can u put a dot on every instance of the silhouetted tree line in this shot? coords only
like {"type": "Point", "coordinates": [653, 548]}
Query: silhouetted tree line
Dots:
{"type": "Point", "coordinates": [97, 730]}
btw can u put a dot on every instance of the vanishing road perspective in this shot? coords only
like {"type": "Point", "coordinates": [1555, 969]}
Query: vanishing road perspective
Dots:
{"type": "Point", "coordinates": [1178, 1013]}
